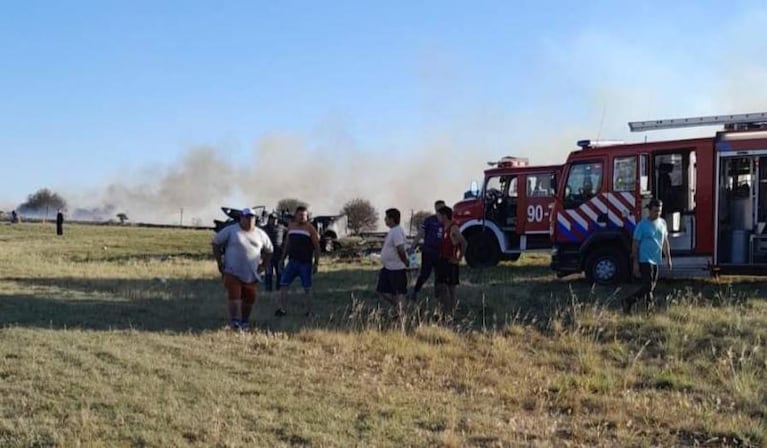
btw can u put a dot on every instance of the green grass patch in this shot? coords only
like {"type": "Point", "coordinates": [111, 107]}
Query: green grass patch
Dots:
{"type": "Point", "coordinates": [113, 336]}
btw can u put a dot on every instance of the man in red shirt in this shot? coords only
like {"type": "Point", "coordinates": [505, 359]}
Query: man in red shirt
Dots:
{"type": "Point", "coordinates": [451, 251]}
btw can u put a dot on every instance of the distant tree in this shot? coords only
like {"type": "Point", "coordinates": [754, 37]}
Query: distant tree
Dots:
{"type": "Point", "coordinates": [41, 201]}
{"type": "Point", "coordinates": [360, 215]}
{"type": "Point", "coordinates": [417, 219]}
{"type": "Point", "coordinates": [290, 205]}
{"type": "Point", "coordinates": [122, 217]}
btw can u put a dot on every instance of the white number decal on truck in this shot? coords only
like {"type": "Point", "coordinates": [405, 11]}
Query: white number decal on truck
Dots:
{"type": "Point", "coordinates": [534, 213]}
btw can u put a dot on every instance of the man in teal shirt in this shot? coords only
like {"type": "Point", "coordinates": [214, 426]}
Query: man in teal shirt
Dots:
{"type": "Point", "coordinates": [647, 251]}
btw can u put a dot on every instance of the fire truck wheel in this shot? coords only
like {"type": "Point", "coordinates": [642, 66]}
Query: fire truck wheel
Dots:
{"type": "Point", "coordinates": [605, 267]}
{"type": "Point", "coordinates": [482, 250]}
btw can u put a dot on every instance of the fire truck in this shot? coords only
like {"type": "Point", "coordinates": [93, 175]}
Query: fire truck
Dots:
{"type": "Point", "coordinates": [510, 214]}
{"type": "Point", "coordinates": [713, 189]}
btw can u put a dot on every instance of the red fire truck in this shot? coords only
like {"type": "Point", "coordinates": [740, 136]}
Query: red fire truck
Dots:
{"type": "Point", "coordinates": [714, 193]}
{"type": "Point", "coordinates": [510, 214]}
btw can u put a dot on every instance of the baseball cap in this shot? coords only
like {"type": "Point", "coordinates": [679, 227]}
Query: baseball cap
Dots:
{"type": "Point", "coordinates": [247, 211]}
{"type": "Point", "coordinates": [654, 203]}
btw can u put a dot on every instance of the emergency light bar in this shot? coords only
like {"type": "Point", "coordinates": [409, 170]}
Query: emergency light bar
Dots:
{"type": "Point", "coordinates": [598, 143]}
{"type": "Point", "coordinates": [711, 120]}
{"type": "Point", "coordinates": [743, 136]}
{"type": "Point", "coordinates": [510, 162]}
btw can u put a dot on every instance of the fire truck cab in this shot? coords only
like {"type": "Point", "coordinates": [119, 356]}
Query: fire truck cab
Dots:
{"type": "Point", "coordinates": [510, 213]}
{"type": "Point", "coordinates": [714, 194]}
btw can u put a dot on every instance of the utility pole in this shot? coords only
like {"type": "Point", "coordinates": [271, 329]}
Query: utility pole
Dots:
{"type": "Point", "coordinates": [181, 221]}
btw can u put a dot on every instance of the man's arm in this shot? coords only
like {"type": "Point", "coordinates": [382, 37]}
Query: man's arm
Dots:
{"type": "Point", "coordinates": [285, 246]}
{"type": "Point", "coordinates": [218, 252]}
{"type": "Point", "coordinates": [418, 237]}
{"type": "Point", "coordinates": [316, 243]}
{"type": "Point", "coordinates": [267, 251]}
{"type": "Point", "coordinates": [403, 255]}
{"type": "Point", "coordinates": [457, 238]}
{"type": "Point", "coordinates": [667, 250]}
{"type": "Point", "coordinates": [219, 242]}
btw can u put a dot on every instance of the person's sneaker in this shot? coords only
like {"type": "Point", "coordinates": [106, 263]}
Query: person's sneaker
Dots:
{"type": "Point", "coordinates": [280, 312]}
{"type": "Point", "coordinates": [244, 325]}
{"type": "Point", "coordinates": [235, 324]}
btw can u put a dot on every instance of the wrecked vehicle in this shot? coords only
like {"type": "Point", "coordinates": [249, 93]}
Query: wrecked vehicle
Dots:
{"type": "Point", "coordinates": [328, 226]}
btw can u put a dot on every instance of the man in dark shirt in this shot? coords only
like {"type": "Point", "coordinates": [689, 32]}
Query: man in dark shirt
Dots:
{"type": "Point", "coordinates": [301, 246]}
{"type": "Point", "coordinates": [276, 231]}
{"type": "Point", "coordinates": [431, 232]}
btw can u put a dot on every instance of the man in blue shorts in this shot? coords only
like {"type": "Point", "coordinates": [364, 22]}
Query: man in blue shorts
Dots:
{"type": "Point", "coordinates": [301, 247]}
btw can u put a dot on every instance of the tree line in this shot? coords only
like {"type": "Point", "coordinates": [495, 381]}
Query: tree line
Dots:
{"type": "Point", "coordinates": [361, 215]}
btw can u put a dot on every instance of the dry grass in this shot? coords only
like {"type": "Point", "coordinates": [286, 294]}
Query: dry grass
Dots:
{"type": "Point", "coordinates": [123, 346]}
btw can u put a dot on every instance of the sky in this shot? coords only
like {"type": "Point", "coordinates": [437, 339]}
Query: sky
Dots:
{"type": "Point", "coordinates": [148, 107]}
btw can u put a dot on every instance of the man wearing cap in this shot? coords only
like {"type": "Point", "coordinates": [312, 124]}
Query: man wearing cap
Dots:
{"type": "Point", "coordinates": [241, 252]}
{"type": "Point", "coordinates": [647, 251]}
{"type": "Point", "coordinates": [276, 231]}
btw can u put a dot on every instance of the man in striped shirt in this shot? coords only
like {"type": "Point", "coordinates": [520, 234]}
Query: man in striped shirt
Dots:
{"type": "Point", "coordinates": [302, 248]}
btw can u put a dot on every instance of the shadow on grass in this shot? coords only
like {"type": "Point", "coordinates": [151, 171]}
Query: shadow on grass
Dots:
{"type": "Point", "coordinates": [494, 296]}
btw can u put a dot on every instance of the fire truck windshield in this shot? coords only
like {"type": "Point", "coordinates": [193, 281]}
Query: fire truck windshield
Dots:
{"type": "Point", "coordinates": [501, 186]}
{"type": "Point", "coordinates": [583, 182]}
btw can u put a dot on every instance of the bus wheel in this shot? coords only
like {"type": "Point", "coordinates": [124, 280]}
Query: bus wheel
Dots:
{"type": "Point", "coordinates": [605, 267]}
{"type": "Point", "coordinates": [482, 250]}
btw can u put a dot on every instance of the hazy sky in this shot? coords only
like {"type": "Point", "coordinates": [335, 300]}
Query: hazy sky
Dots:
{"type": "Point", "coordinates": [110, 102]}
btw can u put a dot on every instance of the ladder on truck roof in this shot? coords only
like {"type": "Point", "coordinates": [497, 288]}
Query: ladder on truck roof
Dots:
{"type": "Point", "coordinates": [730, 122]}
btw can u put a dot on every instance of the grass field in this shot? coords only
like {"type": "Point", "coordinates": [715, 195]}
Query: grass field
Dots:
{"type": "Point", "coordinates": [113, 336]}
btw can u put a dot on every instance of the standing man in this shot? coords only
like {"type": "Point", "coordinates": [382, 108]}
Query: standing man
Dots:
{"type": "Point", "coordinates": [431, 232]}
{"type": "Point", "coordinates": [647, 251]}
{"type": "Point", "coordinates": [241, 251]}
{"type": "Point", "coordinates": [301, 246]}
{"type": "Point", "coordinates": [392, 279]}
{"type": "Point", "coordinates": [451, 251]}
{"type": "Point", "coordinates": [59, 223]}
{"type": "Point", "coordinates": [276, 231]}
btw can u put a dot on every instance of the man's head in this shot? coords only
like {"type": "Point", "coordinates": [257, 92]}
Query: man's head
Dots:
{"type": "Point", "coordinates": [247, 219]}
{"type": "Point", "coordinates": [302, 215]}
{"type": "Point", "coordinates": [438, 205]}
{"type": "Point", "coordinates": [392, 217]}
{"type": "Point", "coordinates": [445, 214]}
{"type": "Point", "coordinates": [654, 208]}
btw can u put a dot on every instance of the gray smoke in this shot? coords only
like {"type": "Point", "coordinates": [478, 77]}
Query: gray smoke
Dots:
{"type": "Point", "coordinates": [284, 165]}
{"type": "Point", "coordinates": [198, 183]}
